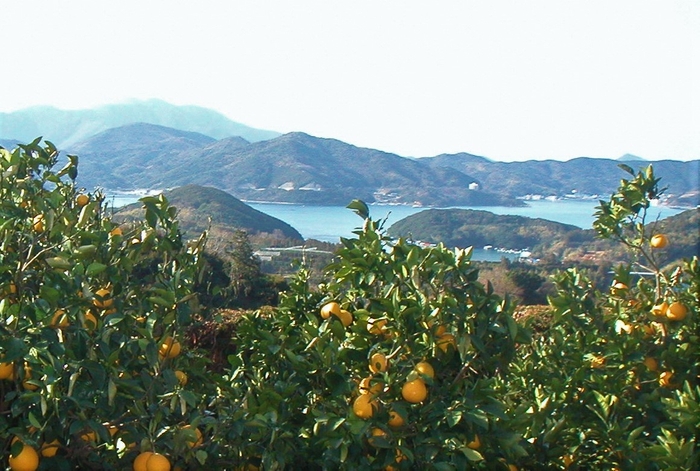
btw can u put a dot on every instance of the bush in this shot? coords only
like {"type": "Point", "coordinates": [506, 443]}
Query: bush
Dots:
{"type": "Point", "coordinates": [87, 308]}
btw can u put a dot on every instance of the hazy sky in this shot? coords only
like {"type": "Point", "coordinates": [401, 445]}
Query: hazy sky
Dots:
{"type": "Point", "coordinates": [510, 80]}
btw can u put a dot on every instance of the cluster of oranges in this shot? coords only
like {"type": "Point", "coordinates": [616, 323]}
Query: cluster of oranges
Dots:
{"type": "Point", "coordinates": [370, 388]}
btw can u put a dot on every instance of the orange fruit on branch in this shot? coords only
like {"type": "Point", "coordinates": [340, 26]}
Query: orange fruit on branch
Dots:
{"type": "Point", "coordinates": [378, 363]}
{"type": "Point", "coordinates": [364, 406]}
{"type": "Point", "coordinates": [26, 460]}
{"type": "Point", "coordinates": [331, 308]}
{"type": "Point", "coordinates": [658, 241]}
{"type": "Point", "coordinates": [414, 391]}
{"type": "Point", "coordinates": [676, 311]}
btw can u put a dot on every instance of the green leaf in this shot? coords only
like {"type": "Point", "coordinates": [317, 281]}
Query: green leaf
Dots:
{"type": "Point", "coordinates": [95, 269]}
{"type": "Point", "coordinates": [472, 455]}
{"type": "Point", "coordinates": [360, 208]}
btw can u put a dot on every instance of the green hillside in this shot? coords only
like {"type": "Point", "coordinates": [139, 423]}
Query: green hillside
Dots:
{"type": "Point", "coordinates": [198, 205]}
{"type": "Point", "coordinates": [466, 227]}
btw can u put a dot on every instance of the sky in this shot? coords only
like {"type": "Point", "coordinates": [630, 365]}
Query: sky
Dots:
{"type": "Point", "coordinates": [508, 80]}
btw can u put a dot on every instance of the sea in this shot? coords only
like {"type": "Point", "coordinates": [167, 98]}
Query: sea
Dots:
{"type": "Point", "coordinates": [330, 223]}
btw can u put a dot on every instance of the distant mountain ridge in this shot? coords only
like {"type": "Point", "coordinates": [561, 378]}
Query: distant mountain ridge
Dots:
{"type": "Point", "coordinates": [68, 127]}
{"type": "Point", "coordinates": [579, 176]}
{"type": "Point", "coordinates": [294, 168]}
{"type": "Point", "coordinates": [299, 168]}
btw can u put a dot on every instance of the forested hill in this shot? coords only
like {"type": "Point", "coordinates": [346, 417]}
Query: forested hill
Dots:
{"type": "Point", "coordinates": [201, 207]}
{"type": "Point", "coordinates": [474, 228]}
{"type": "Point", "coordinates": [466, 227]}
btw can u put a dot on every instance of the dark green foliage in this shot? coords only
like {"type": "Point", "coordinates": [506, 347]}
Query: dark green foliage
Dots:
{"type": "Point", "coordinates": [466, 228]}
{"type": "Point", "coordinates": [528, 281]}
{"type": "Point", "coordinates": [201, 208]}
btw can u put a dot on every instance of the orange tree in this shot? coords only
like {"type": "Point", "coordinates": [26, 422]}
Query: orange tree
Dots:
{"type": "Point", "coordinates": [92, 371]}
{"type": "Point", "coordinates": [614, 383]}
{"type": "Point", "coordinates": [390, 363]}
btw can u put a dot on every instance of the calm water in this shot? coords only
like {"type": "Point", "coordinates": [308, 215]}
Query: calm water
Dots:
{"type": "Point", "coordinates": [329, 223]}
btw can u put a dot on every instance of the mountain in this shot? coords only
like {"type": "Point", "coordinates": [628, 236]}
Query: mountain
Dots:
{"type": "Point", "coordinates": [467, 227]}
{"type": "Point", "coordinates": [199, 206]}
{"type": "Point", "coordinates": [119, 157]}
{"type": "Point", "coordinates": [67, 127]}
{"type": "Point", "coordinates": [295, 168]}
{"type": "Point", "coordinates": [472, 228]}
{"type": "Point", "coordinates": [583, 175]}
{"type": "Point", "coordinates": [631, 158]}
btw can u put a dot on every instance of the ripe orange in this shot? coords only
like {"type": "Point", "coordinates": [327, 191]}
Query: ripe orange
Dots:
{"type": "Point", "coordinates": [378, 363]}
{"type": "Point", "coordinates": [140, 463]}
{"type": "Point", "coordinates": [648, 330]}
{"type": "Point", "coordinates": [330, 308]}
{"type": "Point", "coordinates": [376, 326]}
{"type": "Point", "coordinates": [426, 369]}
{"type": "Point", "coordinates": [395, 419]}
{"type": "Point", "coordinates": [198, 433]}
{"type": "Point", "coordinates": [59, 319]}
{"type": "Point", "coordinates": [141, 460]}
{"type": "Point", "coordinates": [89, 436]}
{"type": "Point", "coordinates": [82, 199]}
{"type": "Point", "coordinates": [90, 321]}
{"type": "Point", "coordinates": [115, 232]}
{"type": "Point", "coordinates": [38, 223]}
{"type": "Point", "coordinates": [660, 309]}
{"type": "Point", "coordinates": [619, 285]}
{"type": "Point", "coordinates": [658, 241]}
{"type": "Point", "coordinates": [376, 432]}
{"type": "Point", "coordinates": [102, 299]}
{"type": "Point", "coordinates": [7, 370]}
{"type": "Point", "coordinates": [567, 460]}
{"type": "Point", "coordinates": [169, 348]}
{"type": "Point", "coordinates": [676, 311]}
{"type": "Point", "coordinates": [49, 449]}
{"type": "Point", "coordinates": [26, 460]}
{"type": "Point", "coordinates": [665, 379]}
{"type": "Point", "coordinates": [474, 444]}
{"type": "Point", "coordinates": [369, 385]}
{"type": "Point", "coordinates": [399, 458]}
{"type": "Point", "coordinates": [446, 342]}
{"type": "Point", "coordinates": [27, 376]}
{"type": "Point", "coordinates": [651, 363]}
{"type": "Point", "coordinates": [414, 391]}
{"type": "Point", "coordinates": [364, 406]}
{"type": "Point", "coordinates": [181, 377]}
{"type": "Point", "coordinates": [345, 317]}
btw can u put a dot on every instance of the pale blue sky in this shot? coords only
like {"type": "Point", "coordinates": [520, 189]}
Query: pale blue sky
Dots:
{"type": "Point", "coordinates": [510, 80]}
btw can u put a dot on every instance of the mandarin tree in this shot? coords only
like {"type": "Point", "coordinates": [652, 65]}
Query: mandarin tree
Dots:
{"type": "Point", "coordinates": [614, 383]}
{"type": "Point", "coordinates": [84, 308]}
{"type": "Point", "coordinates": [405, 381]}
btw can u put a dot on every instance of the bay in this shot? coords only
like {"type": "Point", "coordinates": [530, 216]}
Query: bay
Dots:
{"type": "Point", "coordinates": [329, 223]}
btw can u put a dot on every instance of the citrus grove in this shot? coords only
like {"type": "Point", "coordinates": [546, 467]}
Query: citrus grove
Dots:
{"type": "Point", "coordinates": [400, 359]}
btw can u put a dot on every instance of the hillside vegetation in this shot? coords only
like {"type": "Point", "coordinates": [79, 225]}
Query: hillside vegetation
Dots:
{"type": "Point", "coordinates": [476, 228]}
{"type": "Point", "coordinates": [199, 208]}
{"type": "Point", "coordinates": [398, 359]}
{"type": "Point", "coordinates": [466, 227]}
